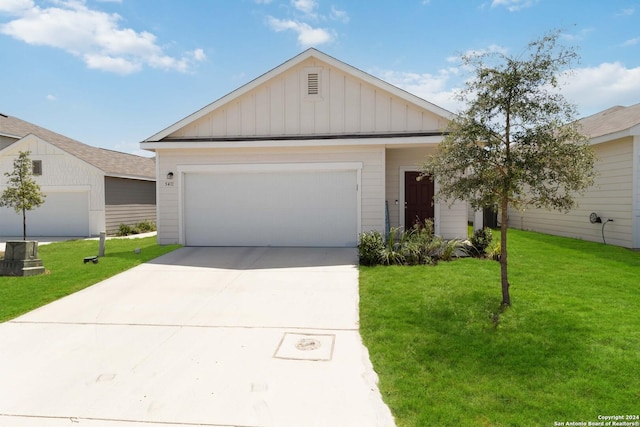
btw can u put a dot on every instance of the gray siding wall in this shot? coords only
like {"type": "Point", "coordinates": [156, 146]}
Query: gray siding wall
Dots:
{"type": "Point", "coordinates": [6, 141]}
{"type": "Point", "coordinates": [128, 201]}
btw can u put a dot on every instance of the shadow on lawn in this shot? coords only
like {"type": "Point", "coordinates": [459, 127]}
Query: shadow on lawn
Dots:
{"type": "Point", "coordinates": [580, 249]}
{"type": "Point", "coordinates": [511, 344]}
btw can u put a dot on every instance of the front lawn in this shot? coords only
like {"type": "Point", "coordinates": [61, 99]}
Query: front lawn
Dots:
{"type": "Point", "coordinates": [568, 350]}
{"type": "Point", "coordinates": [66, 272]}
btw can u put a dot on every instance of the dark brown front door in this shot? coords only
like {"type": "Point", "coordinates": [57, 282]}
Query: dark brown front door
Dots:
{"type": "Point", "coordinates": [418, 199]}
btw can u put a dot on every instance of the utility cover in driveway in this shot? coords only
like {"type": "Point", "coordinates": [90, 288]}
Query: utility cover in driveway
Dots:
{"type": "Point", "coordinates": [280, 208]}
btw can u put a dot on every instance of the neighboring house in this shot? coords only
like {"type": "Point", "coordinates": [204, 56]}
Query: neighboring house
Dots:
{"type": "Point", "coordinates": [305, 155]}
{"type": "Point", "coordinates": [615, 136]}
{"type": "Point", "coordinates": [88, 189]}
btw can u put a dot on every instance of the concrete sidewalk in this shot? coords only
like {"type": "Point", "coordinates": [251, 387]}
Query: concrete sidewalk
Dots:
{"type": "Point", "coordinates": [200, 336]}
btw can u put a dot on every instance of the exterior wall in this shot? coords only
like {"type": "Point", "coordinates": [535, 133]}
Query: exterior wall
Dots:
{"type": "Point", "coordinates": [611, 197]}
{"type": "Point", "coordinates": [281, 106]}
{"type": "Point", "coordinates": [450, 223]}
{"type": "Point", "coordinates": [372, 178]}
{"type": "Point", "coordinates": [62, 172]}
{"type": "Point", "coordinates": [128, 201]}
{"type": "Point", "coordinates": [636, 185]}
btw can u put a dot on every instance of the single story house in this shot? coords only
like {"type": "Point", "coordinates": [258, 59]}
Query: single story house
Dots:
{"type": "Point", "coordinates": [614, 199]}
{"type": "Point", "coordinates": [311, 153]}
{"type": "Point", "coordinates": [88, 190]}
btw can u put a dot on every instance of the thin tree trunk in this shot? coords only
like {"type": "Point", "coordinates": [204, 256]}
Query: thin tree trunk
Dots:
{"type": "Point", "coordinates": [24, 224]}
{"type": "Point", "coordinates": [506, 298]}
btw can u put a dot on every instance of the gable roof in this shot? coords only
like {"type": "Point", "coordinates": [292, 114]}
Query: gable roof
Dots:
{"type": "Point", "coordinates": [291, 63]}
{"type": "Point", "coordinates": [616, 121]}
{"type": "Point", "coordinates": [112, 163]}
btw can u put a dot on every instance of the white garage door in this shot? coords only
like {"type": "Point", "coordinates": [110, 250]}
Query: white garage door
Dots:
{"type": "Point", "coordinates": [279, 208]}
{"type": "Point", "coordinates": [62, 214]}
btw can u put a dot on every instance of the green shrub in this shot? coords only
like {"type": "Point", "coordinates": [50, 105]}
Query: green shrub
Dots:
{"type": "Point", "coordinates": [146, 226]}
{"type": "Point", "coordinates": [370, 247]}
{"type": "Point", "coordinates": [141, 227]}
{"type": "Point", "coordinates": [450, 249]}
{"type": "Point", "coordinates": [494, 252]}
{"type": "Point", "coordinates": [393, 253]}
{"type": "Point", "coordinates": [416, 246]}
{"type": "Point", "coordinates": [481, 240]}
{"type": "Point", "coordinates": [124, 230]}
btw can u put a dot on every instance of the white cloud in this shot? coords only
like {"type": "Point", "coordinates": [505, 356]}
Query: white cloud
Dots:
{"type": "Point", "coordinates": [626, 12]}
{"type": "Point", "coordinates": [307, 7]}
{"type": "Point", "coordinates": [199, 55]}
{"type": "Point", "coordinates": [597, 88]}
{"type": "Point", "coordinates": [51, 97]}
{"type": "Point", "coordinates": [15, 6]}
{"type": "Point", "coordinates": [307, 35]}
{"type": "Point", "coordinates": [631, 42]}
{"type": "Point", "coordinates": [339, 15]}
{"type": "Point", "coordinates": [513, 5]}
{"type": "Point", "coordinates": [591, 89]}
{"type": "Point", "coordinates": [92, 35]}
{"type": "Point", "coordinates": [263, 1]}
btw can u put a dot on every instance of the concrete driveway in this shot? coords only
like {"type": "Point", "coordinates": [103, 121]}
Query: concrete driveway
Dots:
{"type": "Point", "coordinates": [201, 336]}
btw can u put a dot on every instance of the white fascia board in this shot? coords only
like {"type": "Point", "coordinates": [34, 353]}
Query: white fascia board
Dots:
{"type": "Point", "coordinates": [635, 130]}
{"type": "Point", "coordinates": [177, 145]}
{"type": "Point", "coordinates": [137, 178]}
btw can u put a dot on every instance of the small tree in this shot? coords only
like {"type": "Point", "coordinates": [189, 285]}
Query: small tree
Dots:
{"type": "Point", "coordinates": [517, 142]}
{"type": "Point", "coordinates": [23, 192]}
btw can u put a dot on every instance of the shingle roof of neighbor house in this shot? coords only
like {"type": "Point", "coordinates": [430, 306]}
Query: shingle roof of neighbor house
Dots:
{"type": "Point", "coordinates": [112, 163]}
{"type": "Point", "coordinates": [612, 120]}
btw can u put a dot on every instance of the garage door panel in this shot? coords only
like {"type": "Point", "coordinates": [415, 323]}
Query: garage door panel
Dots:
{"type": "Point", "coordinates": [271, 209]}
{"type": "Point", "coordinates": [62, 214]}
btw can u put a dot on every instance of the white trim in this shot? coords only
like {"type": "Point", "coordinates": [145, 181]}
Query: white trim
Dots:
{"type": "Point", "coordinates": [125, 176]}
{"type": "Point", "coordinates": [412, 141]}
{"type": "Point", "coordinates": [436, 206]}
{"type": "Point", "coordinates": [182, 170]}
{"type": "Point", "coordinates": [632, 131]}
{"type": "Point", "coordinates": [158, 216]}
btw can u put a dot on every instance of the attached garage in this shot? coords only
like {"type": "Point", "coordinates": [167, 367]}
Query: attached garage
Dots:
{"type": "Point", "coordinates": [272, 205]}
{"type": "Point", "coordinates": [66, 213]}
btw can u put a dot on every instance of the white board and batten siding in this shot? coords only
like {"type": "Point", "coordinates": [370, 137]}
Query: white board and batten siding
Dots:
{"type": "Point", "coordinates": [67, 182]}
{"type": "Point", "coordinates": [281, 106]}
{"type": "Point", "coordinates": [611, 198]}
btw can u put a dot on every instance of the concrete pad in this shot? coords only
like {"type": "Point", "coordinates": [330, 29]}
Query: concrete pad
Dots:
{"type": "Point", "coordinates": [201, 336]}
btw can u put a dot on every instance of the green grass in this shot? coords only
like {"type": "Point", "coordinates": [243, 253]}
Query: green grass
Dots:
{"type": "Point", "coordinates": [66, 273]}
{"type": "Point", "coordinates": [567, 350]}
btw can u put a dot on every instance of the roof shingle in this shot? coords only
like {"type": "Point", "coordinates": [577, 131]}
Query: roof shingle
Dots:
{"type": "Point", "coordinates": [109, 161]}
{"type": "Point", "coordinates": [612, 120]}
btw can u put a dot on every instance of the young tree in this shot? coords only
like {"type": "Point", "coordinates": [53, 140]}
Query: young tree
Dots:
{"type": "Point", "coordinates": [23, 192]}
{"type": "Point", "coordinates": [517, 142]}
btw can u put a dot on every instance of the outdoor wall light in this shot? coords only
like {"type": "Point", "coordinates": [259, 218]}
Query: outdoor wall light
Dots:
{"type": "Point", "coordinates": [170, 175]}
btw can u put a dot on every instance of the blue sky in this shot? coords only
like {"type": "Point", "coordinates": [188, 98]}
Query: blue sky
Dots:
{"type": "Point", "coordinates": [111, 73]}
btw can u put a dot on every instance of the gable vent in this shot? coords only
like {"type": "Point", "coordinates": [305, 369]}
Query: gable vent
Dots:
{"type": "Point", "coordinates": [312, 84]}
